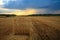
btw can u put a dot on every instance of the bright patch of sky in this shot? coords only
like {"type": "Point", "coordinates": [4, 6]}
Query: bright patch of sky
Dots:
{"type": "Point", "coordinates": [2, 2]}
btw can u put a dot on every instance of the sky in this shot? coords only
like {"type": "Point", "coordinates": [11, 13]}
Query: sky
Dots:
{"type": "Point", "coordinates": [44, 5]}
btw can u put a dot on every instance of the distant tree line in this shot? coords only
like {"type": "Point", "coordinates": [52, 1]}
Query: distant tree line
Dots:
{"type": "Point", "coordinates": [7, 15]}
{"type": "Point", "coordinates": [44, 15]}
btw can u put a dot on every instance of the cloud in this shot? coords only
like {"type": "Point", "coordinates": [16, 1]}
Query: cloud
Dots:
{"type": "Point", "coordinates": [34, 11]}
{"type": "Point", "coordinates": [1, 2]}
{"type": "Point", "coordinates": [55, 5]}
{"type": "Point", "coordinates": [24, 12]}
{"type": "Point", "coordinates": [42, 6]}
{"type": "Point", "coordinates": [41, 11]}
{"type": "Point", "coordinates": [4, 10]}
{"type": "Point", "coordinates": [23, 4]}
{"type": "Point", "coordinates": [56, 12]}
{"type": "Point", "coordinates": [36, 4]}
{"type": "Point", "coordinates": [28, 11]}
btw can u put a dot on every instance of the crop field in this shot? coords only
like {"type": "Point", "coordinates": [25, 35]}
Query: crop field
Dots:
{"type": "Point", "coordinates": [30, 28]}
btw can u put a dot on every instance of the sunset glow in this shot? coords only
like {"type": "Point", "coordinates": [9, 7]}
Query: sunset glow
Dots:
{"type": "Point", "coordinates": [25, 12]}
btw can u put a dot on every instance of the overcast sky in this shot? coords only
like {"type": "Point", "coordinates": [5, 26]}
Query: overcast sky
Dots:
{"type": "Point", "coordinates": [22, 4]}
{"type": "Point", "coordinates": [51, 5]}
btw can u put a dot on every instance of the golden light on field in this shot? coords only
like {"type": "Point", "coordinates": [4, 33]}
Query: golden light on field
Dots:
{"type": "Point", "coordinates": [24, 12]}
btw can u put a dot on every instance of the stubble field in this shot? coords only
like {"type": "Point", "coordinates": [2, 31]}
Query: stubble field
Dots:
{"type": "Point", "coordinates": [30, 28]}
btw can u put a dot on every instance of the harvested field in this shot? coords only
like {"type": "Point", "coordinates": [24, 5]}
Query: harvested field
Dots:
{"type": "Point", "coordinates": [30, 28]}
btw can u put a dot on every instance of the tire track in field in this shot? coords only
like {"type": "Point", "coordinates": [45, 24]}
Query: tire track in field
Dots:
{"type": "Point", "coordinates": [45, 32]}
{"type": "Point", "coordinates": [55, 24]}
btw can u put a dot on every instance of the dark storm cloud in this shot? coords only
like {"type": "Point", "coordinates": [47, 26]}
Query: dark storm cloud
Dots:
{"type": "Point", "coordinates": [55, 5]}
{"type": "Point", "coordinates": [22, 4]}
